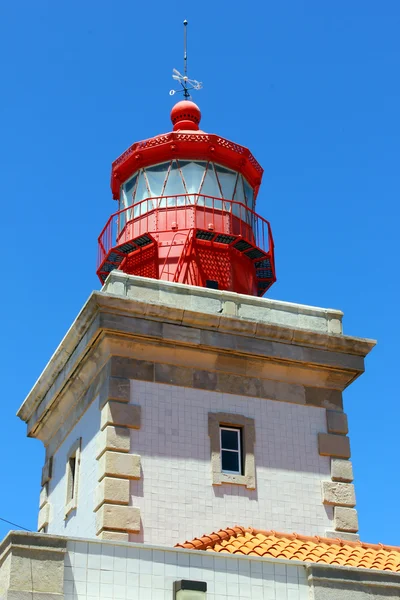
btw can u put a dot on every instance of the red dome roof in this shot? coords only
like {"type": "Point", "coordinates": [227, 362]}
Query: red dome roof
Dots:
{"type": "Point", "coordinates": [185, 115]}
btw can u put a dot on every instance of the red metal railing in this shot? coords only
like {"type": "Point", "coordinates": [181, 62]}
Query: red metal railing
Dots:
{"type": "Point", "coordinates": [169, 214]}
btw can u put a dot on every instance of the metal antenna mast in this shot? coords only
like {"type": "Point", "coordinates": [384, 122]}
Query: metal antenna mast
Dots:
{"type": "Point", "coordinates": [186, 83]}
{"type": "Point", "coordinates": [185, 90]}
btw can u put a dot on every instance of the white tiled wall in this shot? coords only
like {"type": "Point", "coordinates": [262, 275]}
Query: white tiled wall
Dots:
{"type": "Point", "coordinates": [80, 522]}
{"type": "Point", "coordinates": [118, 572]}
{"type": "Point", "coordinates": [175, 495]}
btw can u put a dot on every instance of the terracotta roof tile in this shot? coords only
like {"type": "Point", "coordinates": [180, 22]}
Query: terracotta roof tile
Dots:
{"type": "Point", "coordinates": [254, 542]}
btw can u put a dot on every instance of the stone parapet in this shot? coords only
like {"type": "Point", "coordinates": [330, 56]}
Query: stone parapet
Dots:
{"type": "Point", "coordinates": [32, 566]}
{"type": "Point", "coordinates": [276, 341]}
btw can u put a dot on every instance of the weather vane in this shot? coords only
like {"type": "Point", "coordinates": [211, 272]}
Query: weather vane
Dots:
{"type": "Point", "coordinates": [186, 83]}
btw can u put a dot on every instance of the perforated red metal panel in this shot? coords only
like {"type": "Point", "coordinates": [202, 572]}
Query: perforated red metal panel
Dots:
{"type": "Point", "coordinates": [143, 262]}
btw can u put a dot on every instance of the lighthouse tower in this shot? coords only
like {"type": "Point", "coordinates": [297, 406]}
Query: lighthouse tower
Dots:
{"type": "Point", "coordinates": [180, 401]}
{"type": "Point", "coordinates": [186, 211]}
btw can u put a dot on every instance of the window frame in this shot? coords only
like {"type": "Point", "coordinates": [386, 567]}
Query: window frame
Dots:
{"type": "Point", "coordinates": [238, 430]}
{"type": "Point", "coordinates": [72, 478]}
{"type": "Point", "coordinates": [247, 426]}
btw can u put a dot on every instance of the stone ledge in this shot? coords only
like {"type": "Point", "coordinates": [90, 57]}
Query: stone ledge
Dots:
{"type": "Point", "coordinates": [341, 535]}
{"type": "Point", "coordinates": [31, 540]}
{"type": "Point", "coordinates": [115, 536]}
{"type": "Point", "coordinates": [186, 297]}
{"type": "Point", "coordinates": [86, 331]}
{"type": "Point", "coordinates": [34, 565]}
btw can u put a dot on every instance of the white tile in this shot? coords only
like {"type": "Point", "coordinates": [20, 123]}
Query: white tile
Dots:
{"type": "Point", "coordinates": [106, 576]}
{"type": "Point", "coordinates": [79, 574]}
{"type": "Point", "coordinates": [93, 575]}
{"type": "Point", "coordinates": [119, 592]}
{"type": "Point", "coordinates": [120, 563]}
{"type": "Point", "coordinates": [107, 562]}
{"type": "Point", "coordinates": [106, 590]}
{"type": "Point", "coordinates": [119, 577]}
{"type": "Point", "coordinates": [93, 589]}
{"type": "Point", "coordinates": [80, 588]}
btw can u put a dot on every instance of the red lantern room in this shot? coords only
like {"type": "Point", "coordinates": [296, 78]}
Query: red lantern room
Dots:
{"type": "Point", "coordinates": [187, 211]}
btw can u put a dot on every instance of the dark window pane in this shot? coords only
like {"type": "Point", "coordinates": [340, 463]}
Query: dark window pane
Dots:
{"type": "Point", "coordinates": [230, 461]}
{"type": "Point", "coordinates": [229, 439]}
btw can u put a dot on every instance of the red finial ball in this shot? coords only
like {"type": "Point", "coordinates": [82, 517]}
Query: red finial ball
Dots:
{"type": "Point", "coordinates": [185, 115]}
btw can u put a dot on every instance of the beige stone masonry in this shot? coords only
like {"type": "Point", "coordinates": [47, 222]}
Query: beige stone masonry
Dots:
{"type": "Point", "coordinates": [343, 535]}
{"type": "Point", "coordinates": [35, 566]}
{"type": "Point", "coordinates": [43, 496]}
{"type": "Point", "coordinates": [345, 519]}
{"type": "Point", "coordinates": [115, 536]}
{"type": "Point", "coordinates": [338, 494]}
{"type": "Point", "coordinates": [301, 343]}
{"type": "Point", "coordinates": [113, 438]}
{"type": "Point", "coordinates": [337, 422]}
{"type": "Point", "coordinates": [118, 413]}
{"type": "Point", "coordinates": [116, 464]}
{"type": "Point", "coordinates": [44, 516]}
{"type": "Point", "coordinates": [330, 444]}
{"type": "Point", "coordinates": [47, 470]}
{"type": "Point", "coordinates": [341, 470]}
{"type": "Point", "coordinates": [112, 491]}
{"type": "Point", "coordinates": [118, 518]}
{"type": "Point", "coordinates": [118, 388]}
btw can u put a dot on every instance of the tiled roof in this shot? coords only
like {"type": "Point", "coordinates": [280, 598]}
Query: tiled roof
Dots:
{"type": "Point", "coordinates": [255, 542]}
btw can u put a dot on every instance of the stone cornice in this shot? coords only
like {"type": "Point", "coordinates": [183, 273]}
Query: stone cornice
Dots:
{"type": "Point", "coordinates": [133, 306]}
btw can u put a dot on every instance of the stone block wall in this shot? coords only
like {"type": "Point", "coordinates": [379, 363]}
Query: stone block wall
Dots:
{"type": "Point", "coordinates": [339, 493]}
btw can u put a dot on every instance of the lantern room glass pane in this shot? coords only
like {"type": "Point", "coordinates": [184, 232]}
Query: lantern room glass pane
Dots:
{"type": "Point", "coordinates": [248, 190]}
{"type": "Point", "coordinates": [239, 192]}
{"type": "Point", "coordinates": [141, 193]}
{"type": "Point", "coordinates": [227, 180]}
{"type": "Point", "coordinates": [129, 189]}
{"type": "Point", "coordinates": [237, 209]}
{"type": "Point", "coordinates": [210, 185]}
{"type": "Point", "coordinates": [174, 185]}
{"type": "Point", "coordinates": [156, 176]}
{"type": "Point", "coordinates": [193, 173]}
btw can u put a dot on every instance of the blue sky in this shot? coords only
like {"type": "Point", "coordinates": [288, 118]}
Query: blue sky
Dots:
{"type": "Point", "coordinates": [312, 88]}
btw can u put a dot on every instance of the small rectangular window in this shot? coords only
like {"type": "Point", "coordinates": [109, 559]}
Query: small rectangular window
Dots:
{"type": "Point", "coordinates": [231, 459]}
{"type": "Point", "coordinates": [72, 477]}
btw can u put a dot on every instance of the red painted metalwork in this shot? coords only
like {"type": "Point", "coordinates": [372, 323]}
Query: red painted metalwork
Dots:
{"type": "Point", "coordinates": [189, 238]}
{"type": "Point", "coordinates": [186, 143]}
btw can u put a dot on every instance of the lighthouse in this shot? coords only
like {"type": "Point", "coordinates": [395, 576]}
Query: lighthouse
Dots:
{"type": "Point", "coordinates": [187, 211]}
{"type": "Point", "coordinates": [196, 443]}
{"type": "Point", "coordinates": [180, 400]}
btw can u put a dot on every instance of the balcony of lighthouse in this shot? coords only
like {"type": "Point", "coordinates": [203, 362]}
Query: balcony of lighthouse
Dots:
{"type": "Point", "coordinates": [169, 210]}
